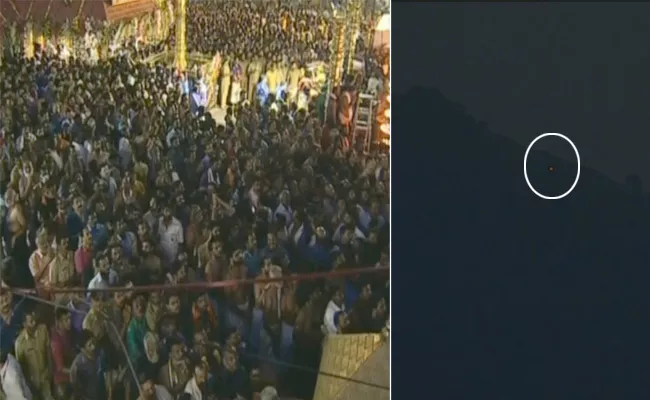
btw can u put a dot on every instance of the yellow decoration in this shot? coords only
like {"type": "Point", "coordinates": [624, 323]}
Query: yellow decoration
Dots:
{"type": "Point", "coordinates": [158, 31]}
{"type": "Point", "coordinates": [181, 35]}
{"type": "Point", "coordinates": [384, 118]}
{"type": "Point", "coordinates": [213, 71]}
{"type": "Point", "coordinates": [353, 34]}
{"type": "Point", "coordinates": [29, 40]}
{"type": "Point", "coordinates": [338, 51]}
{"type": "Point", "coordinates": [41, 41]}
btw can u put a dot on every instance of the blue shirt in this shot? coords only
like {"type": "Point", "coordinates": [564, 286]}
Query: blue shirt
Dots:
{"type": "Point", "coordinates": [75, 225]}
{"type": "Point", "coordinates": [128, 242]}
{"type": "Point", "coordinates": [253, 261]}
{"type": "Point", "coordinates": [321, 256]}
{"type": "Point", "coordinates": [100, 236]}
{"type": "Point", "coordinates": [276, 254]}
{"type": "Point", "coordinates": [9, 332]}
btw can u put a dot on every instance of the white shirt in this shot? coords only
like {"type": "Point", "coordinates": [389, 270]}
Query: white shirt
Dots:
{"type": "Point", "coordinates": [328, 321]}
{"type": "Point", "coordinates": [13, 381]}
{"type": "Point", "coordinates": [193, 390]}
{"type": "Point", "coordinates": [286, 211]}
{"type": "Point", "coordinates": [162, 393]}
{"type": "Point", "coordinates": [99, 283]}
{"type": "Point", "coordinates": [124, 149]}
{"type": "Point", "coordinates": [35, 263]}
{"type": "Point", "coordinates": [374, 85]}
{"type": "Point", "coordinates": [171, 237]}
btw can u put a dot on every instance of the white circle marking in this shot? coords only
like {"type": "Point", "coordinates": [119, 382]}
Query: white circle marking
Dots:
{"type": "Point", "coordinates": [575, 182]}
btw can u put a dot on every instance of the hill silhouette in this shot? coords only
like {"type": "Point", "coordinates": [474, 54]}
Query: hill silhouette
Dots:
{"type": "Point", "coordinates": [535, 299]}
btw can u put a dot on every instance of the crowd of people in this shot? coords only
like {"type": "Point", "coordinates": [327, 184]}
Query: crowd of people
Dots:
{"type": "Point", "coordinates": [110, 180]}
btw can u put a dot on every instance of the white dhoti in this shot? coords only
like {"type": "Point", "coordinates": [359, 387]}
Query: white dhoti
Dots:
{"type": "Point", "coordinates": [303, 100]}
{"type": "Point", "coordinates": [94, 55]}
{"type": "Point", "coordinates": [292, 93]}
{"type": "Point", "coordinates": [235, 93]}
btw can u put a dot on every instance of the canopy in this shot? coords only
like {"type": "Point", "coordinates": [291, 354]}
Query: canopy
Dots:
{"type": "Point", "coordinates": [384, 23]}
{"type": "Point", "coordinates": [382, 32]}
{"type": "Point", "coordinates": [60, 11]}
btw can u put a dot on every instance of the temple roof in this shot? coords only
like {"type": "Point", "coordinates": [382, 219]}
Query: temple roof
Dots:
{"type": "Point", "coordinates": [58, 11]}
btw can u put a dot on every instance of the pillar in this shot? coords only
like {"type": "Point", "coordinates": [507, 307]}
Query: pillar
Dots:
{"type": "Point", "coordinates": [40, 37]}
{"type": "Point", "coordinates": [213, 77]}
{"type": "Point", "coordinates": [337, 54]}
{"type": "Point", "coordinates": [29, 40]}
{"type": "Point", "coordinates": [158, 25]}
{"type": "Point", "coordinates": [353, 34]}
{"type": "Point", "coordinates": [181, 36]}
{"type": "Point", "coordinates": [66, 36]}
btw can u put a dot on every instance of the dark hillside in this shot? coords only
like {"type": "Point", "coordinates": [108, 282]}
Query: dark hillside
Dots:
{"type": "Point", "coordinates": [542, 299]}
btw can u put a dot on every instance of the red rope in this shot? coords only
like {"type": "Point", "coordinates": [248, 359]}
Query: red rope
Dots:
{"type": "Point", "coordinates": [202, 286]}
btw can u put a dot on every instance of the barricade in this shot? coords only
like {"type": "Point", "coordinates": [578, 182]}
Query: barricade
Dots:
{"type": "Point", "coordinates": [281, 319]}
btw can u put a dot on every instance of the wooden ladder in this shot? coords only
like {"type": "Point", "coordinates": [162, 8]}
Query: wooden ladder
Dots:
{"type": "Point", "coordinates": [363, 121]}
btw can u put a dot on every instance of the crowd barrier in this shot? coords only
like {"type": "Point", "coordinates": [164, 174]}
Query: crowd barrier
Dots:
{"type": "Point", "coordinates": [203, 286]}
{"type": "Point", "coordinates": [275, 350]}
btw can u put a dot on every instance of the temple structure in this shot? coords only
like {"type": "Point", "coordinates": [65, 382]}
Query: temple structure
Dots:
{"type": "Point", "coordinates": [57, 12]}
{"type": "Point", "coordinates": [28, 22]}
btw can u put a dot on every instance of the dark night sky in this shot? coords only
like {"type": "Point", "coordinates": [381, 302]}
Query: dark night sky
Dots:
{"type": "Point", "coordinates": [579, 69]}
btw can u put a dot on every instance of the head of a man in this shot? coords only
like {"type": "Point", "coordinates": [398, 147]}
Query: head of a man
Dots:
{"type": "Point", "coordinates": [177, 351]}
{"type": "Point", "coordinates": [63, 319]}
{"type": "Point", "coordinates": [201, 374]}
{"type": "Point", "coordinates": [174, 305]}
{"type": "Point", "coordinates": [88, 343]}
{"type": "Point", "coordinates": [29, 322]}
{"type": "Point", "coordinates": [338, 297]}
{"type": "Point", "coordinates": [148, 389]}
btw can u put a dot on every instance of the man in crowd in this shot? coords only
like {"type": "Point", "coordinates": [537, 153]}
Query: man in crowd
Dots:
{"type": "Point", "coordinates": [62, 352]}
{"type": "Point", "coordinates": [33, 354]}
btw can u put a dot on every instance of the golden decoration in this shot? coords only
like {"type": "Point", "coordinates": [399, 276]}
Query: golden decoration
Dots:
{"type": "Point", "coordinates": [181, 36]}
